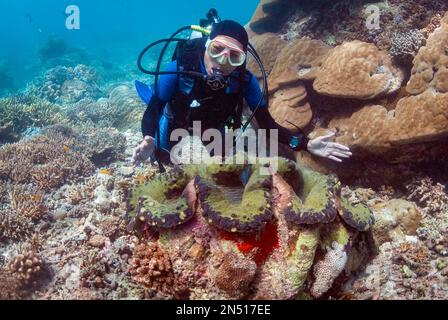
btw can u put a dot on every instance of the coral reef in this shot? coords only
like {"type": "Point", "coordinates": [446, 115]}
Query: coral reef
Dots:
{"type": "Point", "coordinates": [151, 266]}
{"type": "Point", "coordinates": [405, 46]}
{"type": "Point", "coordinates": [372, 227]}
{"type": "Point", "coordinates": [44, 162]}
{"type": "Point", "coordinates": [12, 227]}
{"type": "Point", "coordinates": [357, 70]}
{"type": "Point", "coordinates": [431, 196]}
{"type": "Point", "coordinates": [67, 85]}
{"type": "Point", "coordinates": [328, 269]}
{"type": "Point", "coordinates": [24, 111]}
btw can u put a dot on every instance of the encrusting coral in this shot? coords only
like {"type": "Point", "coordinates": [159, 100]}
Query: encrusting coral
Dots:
{"type": "Point", "coordinates": [328, 269]}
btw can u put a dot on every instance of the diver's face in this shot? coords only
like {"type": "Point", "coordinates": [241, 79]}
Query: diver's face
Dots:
{"type": "Point", "coordinates": [222, 53]}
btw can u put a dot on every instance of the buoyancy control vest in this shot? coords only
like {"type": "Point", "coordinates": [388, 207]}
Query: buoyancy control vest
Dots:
{"type": "Point", "coordinates": [195, 101]}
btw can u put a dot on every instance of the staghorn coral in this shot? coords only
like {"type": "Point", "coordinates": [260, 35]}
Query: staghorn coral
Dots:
{"type": "Point", "coordinates": [93, 269]}
{"type": "Point", "coordinates": [406, 45]}
{"type": "Point", "coordinates": [431, 196]}
{"type": "Point", "coordinates": [13, 227]}
{"type": "Point", "coordinates": [328, 269]}
{"type": "Point", "coordinates": [357, 70]}
{"type": "Point", "coordinates": [44, 162]}
{"type": "Point", "coordinates": [28, 202]}
{"type": "Point", "coordinates": [151, 266]}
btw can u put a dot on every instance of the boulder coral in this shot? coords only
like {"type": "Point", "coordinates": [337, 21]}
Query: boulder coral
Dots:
{"type": "Point", "coordinates": [418, 118]}
{"type": "Point", "coordinates": [299, 60]}
{"type": "Point", "coordinates": [268, 46]}
{"type": "Point", "coordinates": [358, 70]}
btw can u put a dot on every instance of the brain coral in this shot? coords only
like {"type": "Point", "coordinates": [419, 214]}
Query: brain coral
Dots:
{"type": "Point", "coordinates": [357, 70]}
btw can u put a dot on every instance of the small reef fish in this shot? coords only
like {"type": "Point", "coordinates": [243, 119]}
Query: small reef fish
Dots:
{"type": "Point", "coordinates": [105, 171]}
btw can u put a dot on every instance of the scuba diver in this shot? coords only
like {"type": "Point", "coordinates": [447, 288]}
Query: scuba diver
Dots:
{"type": "Point", "coordinates": [207, 81]}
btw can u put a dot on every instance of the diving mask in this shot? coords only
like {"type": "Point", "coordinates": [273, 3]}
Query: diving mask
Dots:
{"type": "Point", "coordinates": [224, 52]}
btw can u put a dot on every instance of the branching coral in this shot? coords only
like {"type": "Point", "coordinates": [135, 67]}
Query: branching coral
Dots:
{"type": "Point", "coordinates": [13, 227]}
{"type": "Point", "coordinates": [431, 196]}
{"type": "Point", "coordinates": [93, 269]}
{"type": "Point", "coordinates": [45, 162]}
{"type": "Point", "coordinates": [28, 202]}
{"type": "Point", "coordinates": [21, 112]}
{"type": "Point", "coordinates": [414, 257]}
{"type": "Point", "coordinates": [151, 266]}
{"type": "Point", "coordinates": [9, 285]}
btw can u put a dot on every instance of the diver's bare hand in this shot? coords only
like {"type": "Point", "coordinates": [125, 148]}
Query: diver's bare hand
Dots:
{"type": "Point", "coordinates": [323, 147]}
{"type": "Point", "coordinates": [143, 151]}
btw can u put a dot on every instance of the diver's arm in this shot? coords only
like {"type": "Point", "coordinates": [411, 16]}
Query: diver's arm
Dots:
{"type": "Point", "coordinates": [264, 118]}
{"type": "Point", "coordinates": [166, 88]}
{"type": "Point", "coordinates": [152, 116]}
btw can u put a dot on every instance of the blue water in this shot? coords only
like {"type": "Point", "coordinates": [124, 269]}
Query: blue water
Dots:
{"type": "Point", "coordinates": [112, 31]}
